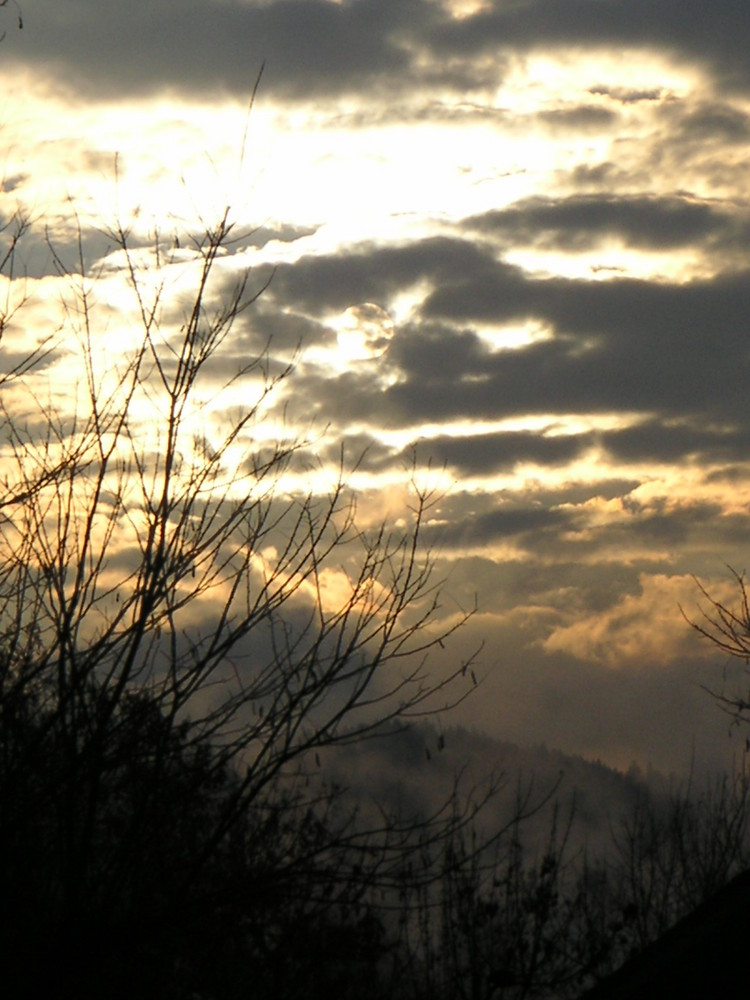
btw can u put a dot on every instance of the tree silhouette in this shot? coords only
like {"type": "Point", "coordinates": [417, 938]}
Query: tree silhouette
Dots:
{"type": "Point", "coordinates": [174, 658]}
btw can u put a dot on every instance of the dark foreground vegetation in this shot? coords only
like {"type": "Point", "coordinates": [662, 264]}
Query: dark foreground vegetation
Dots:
{"type": "Point", "coordinates": [121, 875]}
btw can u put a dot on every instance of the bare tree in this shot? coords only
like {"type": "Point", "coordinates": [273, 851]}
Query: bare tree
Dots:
{"type": "Point", "coordinates": [727, 628]}
{"type": "Point", "coordinates": [19, 16]}
{"type": "Point", "coordinates": [166, 588]}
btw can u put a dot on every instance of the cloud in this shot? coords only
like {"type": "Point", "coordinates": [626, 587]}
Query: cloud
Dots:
{"type": "Point", "coordinates": [578, 222]}
{"type": "Point", "coordinates": [581, 119]}
{"type": "Point", "coordinates": [715, 121]}
{"type": "Point", "coordinates": [485, 454]}
{"type": "Point", "coordinates": [375, 272]}
{"type": "Point", "coordinates": [201, 49]}
{"type": "Point", "coordinates": [686, 29]}
{"type": "Point", "coordinates": [624, 344]}
{"type": "Point", "coordinates": [640, 628]}
{"type": "Point", "coordinates": [658, 441]}
{"type": "Point", "coordinates": [323, 48]}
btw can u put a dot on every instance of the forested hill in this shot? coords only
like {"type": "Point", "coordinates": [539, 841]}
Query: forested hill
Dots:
{"type": "Point", "coordinates": [414, 769]}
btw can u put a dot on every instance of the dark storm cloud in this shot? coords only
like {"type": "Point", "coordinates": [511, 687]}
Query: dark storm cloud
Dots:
{"type": "Point", "coordinates": [556, 532]}
{"type": "Point", "coordinates": [676, 349]}
{"type": "Point", "coordinates": [645, 221]}
{"type": "Point", "coordinates": [688, 149]}
{"type": "Point", "coordinates": [729, 475]}
{"type": "Point", "coordinates": [194, 46]}
{"type": "Point", "coordinates": [511, 521]}
{"type": "Point", "coordinates": [657, 441]}
{"type": "Point", "coordinates": [53, 248]}
{"type": "Point", "coordinates": [625, 343]}
{"type": "Point", "coordinates": [582, 118]}
{"type": "Point", "coordinates": [629, 96]}
{"type": "Point", "coordinates": [599, 175]}
{"type": "Point", "coordinates": [715, 121]}
{"type": "Point", "coordinates": [488, 519]}
{"type": "Point", "coordinates": [265, 346]}
{"type": "Point", "coordinates": [485, 454]}
{"type": "Point", "coordinates": [376, 273]}
{"type": "Point", "coordinates": [321, 47]}
{"type": "Point", "coordinates": [12, 362]}
{"type": "Point", "coordinates": [727, 533]}
{"type": "Point", "coordinates": [715, 35]}
{"type": "Point", "coordinates": [361, 451]}
{"type": "Point", "coordinates": [501, 584]}
{"type": "Point", "coordinates": [284, 331]}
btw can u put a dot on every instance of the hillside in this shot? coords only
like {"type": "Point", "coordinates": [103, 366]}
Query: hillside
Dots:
{"type": "Point", "coordinates": [414, 770]}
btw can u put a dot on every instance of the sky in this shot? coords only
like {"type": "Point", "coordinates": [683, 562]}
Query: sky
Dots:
{"type": "Point", "coordinates": [509, 238]}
